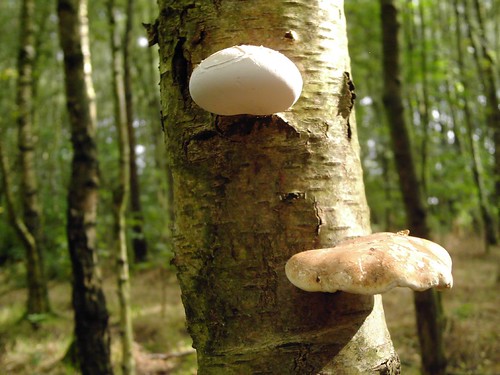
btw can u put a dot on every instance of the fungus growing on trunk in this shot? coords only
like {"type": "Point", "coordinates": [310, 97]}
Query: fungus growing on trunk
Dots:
{"type": "Point", "coordinates": [372, 264]}
{"type": "Point", "coordinates": [246, 80]}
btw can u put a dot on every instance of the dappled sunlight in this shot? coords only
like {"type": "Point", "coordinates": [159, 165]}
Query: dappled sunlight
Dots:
{"type": "Point", "coordinates": [162, 344]}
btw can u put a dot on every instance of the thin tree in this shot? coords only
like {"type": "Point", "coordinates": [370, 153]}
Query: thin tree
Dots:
{"type": "Point", "coordinates": [15, 220]}
{"type": "Point", "coordinates": [163, 176]}
{"type": "Point", "coordinates": [486, 64]}
{"type": "Point", "coordinates": [120, 196]}
{"type": "Point", "coordinates": [417, 60]}
{"type": "Point", "coordinates": [476, 165]}
{"type": "Point", "coordinates": [91, 315]}
{"type": "Point", "coordinates": [429, 313]}
{"type": "Point", "coordinates": [250, 191]}
{"type": "Point", "coordinates": [424, 106]}
{"type": "Point", "coordinates": [139, 243]}
{"type": "Point", "coordinates": [38, 300]}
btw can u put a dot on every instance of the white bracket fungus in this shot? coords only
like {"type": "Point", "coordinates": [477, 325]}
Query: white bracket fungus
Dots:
{"type": "Point", "coordinates": [372, 264]}
{"type": "Point", "coordinates": [246, 80]}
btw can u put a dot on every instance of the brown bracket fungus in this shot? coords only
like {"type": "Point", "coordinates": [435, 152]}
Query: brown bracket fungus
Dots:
{"type": "Point", "coordinates": [372, 264]}
{"type": "Point", "coordinates": [246, 80]}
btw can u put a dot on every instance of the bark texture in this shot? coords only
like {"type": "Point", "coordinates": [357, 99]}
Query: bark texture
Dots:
{"type": "Point", "coordinates": [120, 197]}
{"type": "Point", "coordinates": [429, 313]}
{"type": "Point", "coordinates": [38, 300]}
{"type": "Point", "coordinates": [251, 191]}
{"type": "Point", "coordinates": [91, 316]}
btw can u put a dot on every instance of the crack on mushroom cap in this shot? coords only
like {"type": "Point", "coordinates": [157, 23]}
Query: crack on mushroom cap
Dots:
{"type": "Point", "coordinates": [372, 264]}
{"type": "Point", "coordinates": [246, 79]}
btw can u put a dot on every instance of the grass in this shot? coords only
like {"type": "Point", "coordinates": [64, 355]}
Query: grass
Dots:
{"type": "Point", "coordinates": [159, 327]}
{"type": "Point", "coordinates": [471, 337]}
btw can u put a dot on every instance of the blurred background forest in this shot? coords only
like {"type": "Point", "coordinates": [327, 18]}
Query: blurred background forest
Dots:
{"type": "Point", "coordinates": [450, 79]}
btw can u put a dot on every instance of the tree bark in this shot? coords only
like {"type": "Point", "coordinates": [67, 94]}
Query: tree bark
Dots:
{"type": "Point", "coordinates": [120, 197]}
{"type": "Point", "coordinates": [139, 243]}
{"type": "Point", "coordinates": [38, 300]}
{"type": "Point", "coordinates": [430, 319]}
{"type": "Point", "coordinates": [250, 191]}
{"type": "Point", "coordinates": [91, 315]}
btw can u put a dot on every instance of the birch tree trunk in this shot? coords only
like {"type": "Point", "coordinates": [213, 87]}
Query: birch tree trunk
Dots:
{"type": "Point", "coordinates": [120, 197]}
{"type": "Point", "coordinates": [250, 191]}
{"type": "Point", "coordinates": [38, 300]}
{"type": "Point", "coordinates": [91, 315]}
{"type": "Point", "coordinates": [430, 318]}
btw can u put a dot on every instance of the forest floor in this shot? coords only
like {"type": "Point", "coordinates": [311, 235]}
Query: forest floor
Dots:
{"type": "Point", "coordinates": [472, 337]}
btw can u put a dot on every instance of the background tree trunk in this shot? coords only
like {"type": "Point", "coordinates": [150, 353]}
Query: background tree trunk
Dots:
{"type": "Point", "coordinates": [430, 319]}
{"type": "Point", "coordinates": [120, 197]}
{"type": "Point", "coordinates": [424, 105]}
{"type": "Point", "coordinates": [486, 71]}
{"type": "Point", "coordinates": [139, 243]}
{"type": "Point", "coordinates": [15, 221]}
{"type": "Point", "coordinates": [91, 315]}
{"type": "Point", "coordinates": [38, 300]}
{"type": "Point", "coordinates": [250, 191]}
{"type": "Point", "coordinates": [475, 163]}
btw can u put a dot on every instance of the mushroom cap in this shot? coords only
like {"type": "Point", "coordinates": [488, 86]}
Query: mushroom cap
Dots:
{"type": "Point", "coordinates": [371, 265]}
{"type": "Point", "coordinates": [246, 80]}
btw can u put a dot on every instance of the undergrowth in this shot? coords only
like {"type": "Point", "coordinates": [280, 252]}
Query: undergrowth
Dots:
{"type": "Point", "coordinates": [163, 345]}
